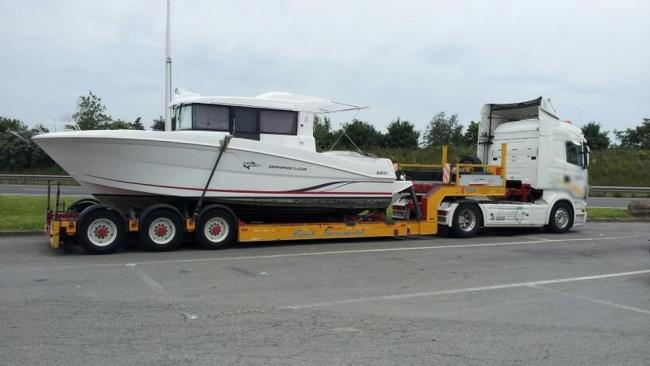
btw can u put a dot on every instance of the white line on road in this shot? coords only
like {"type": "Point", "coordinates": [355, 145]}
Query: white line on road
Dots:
{"type": "Point", "coordinates": [589, 299]}
{"type": "Point", "coordinates": [461, 290]}
{"type": "Point", "coordinates": [148, 280]}
{"type": "Point", "coordinates": [333, 252]}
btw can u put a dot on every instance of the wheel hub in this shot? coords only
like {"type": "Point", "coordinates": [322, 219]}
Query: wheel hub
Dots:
{"type": "Point", "coordinates": [161, 230]}
{"type": "Point", "coordinates": [101, 232]}
{"type": "Point", "coordinates": [215, 230]}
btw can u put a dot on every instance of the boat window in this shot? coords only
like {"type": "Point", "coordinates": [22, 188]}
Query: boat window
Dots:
{"type": "Point", "coordinates": [279, 122]}
{"type": "Point", "coordinates": [574, 153]}
{"type": "Point", "coordinates": [211, 117]}
{"type": "Point", "coordinates": [246, 123]}
{"type": "Point", "coordinates": [184, 120]}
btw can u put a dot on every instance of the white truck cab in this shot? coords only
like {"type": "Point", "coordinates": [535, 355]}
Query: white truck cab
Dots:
{"type": "Point", "coordinates": [546, 167]}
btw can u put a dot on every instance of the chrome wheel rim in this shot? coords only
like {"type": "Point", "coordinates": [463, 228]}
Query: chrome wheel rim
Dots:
{"type": "Point", "coordinates": [467, 220]}
{"type": "Point", "coordinates": [216, 229]}
{"type": "Point", "coordinates": [162, 231]}
{"type": "Point", "coordinates": [561, 218]}
{"type": "Point", "coordinates": [101, 232]}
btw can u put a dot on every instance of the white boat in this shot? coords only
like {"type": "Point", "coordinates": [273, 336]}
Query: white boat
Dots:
{"type": "Point", "coordinates": [269, 159]}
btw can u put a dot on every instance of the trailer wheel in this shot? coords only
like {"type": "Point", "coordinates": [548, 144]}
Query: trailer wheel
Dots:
{"type": "Point", "coordinates": [466, 221]}
{"type": "Point", "coordinates": [101, 231]}
{"type": "Point", "coordinates": [216, 229]}
{"type": "Point", "coordinates": [561, 219]}
{"type": "Point", "coordinates": [161, 230]}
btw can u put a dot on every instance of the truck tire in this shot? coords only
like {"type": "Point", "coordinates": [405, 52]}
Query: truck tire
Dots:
{"type": "Point", "coordinates": [467, 220]}
{"type": "Point", "coordinates": [101, 231]}
{"type": "Point", "coordinates": [216, 229]}
{"type": "Point", "coordinates": [161, 230]}
{"type": "Point", "coordinates": [561, 219]}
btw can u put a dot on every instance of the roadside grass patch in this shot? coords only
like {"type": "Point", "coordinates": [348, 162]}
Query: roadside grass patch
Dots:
{"type": "Point", "coordinates": [607, 213]}
{"type": "Point", "coordinates": [25, 212]}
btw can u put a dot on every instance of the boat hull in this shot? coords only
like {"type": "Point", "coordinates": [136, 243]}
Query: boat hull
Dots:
{"type": "Point", "coordinates": [138, 168]}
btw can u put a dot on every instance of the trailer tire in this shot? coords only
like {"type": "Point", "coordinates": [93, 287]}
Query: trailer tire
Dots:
{"type": "Point", "coordinates": [82, 204]}
{"type": "Point", "coordinates": [161, 230]}
{"type": "Point", "coordinates": [101, 231]}
{"type": "Point", "coordinates": [467, 220]}
{"type": "Point", "coordinates": [216, 229]}
{"type": "Point", "coordinates": [561, 218]}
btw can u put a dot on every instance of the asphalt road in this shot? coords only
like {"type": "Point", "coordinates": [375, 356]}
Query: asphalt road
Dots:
{"type": "Point", "coordinates": [581, 298]}
{"type": "Point", "coordinates": [79, 191]}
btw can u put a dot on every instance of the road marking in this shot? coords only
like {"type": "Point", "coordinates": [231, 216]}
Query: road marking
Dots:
{"type": "Point", "coordinates": [148, 280]}
{"type": "Point", "coordinates": [333, 252]}
{"type": "Point", "coordinates": [461, 290]}
{"type": "Point", "coordinates": [589, 299]}
{"type": "Point", "coordinates": [540, 238]}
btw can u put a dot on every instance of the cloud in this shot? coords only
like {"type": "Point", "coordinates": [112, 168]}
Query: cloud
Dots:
{"type": "Point", "coordinates": [407, 58]}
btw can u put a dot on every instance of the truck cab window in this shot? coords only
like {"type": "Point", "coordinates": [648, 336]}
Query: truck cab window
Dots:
{"type": "Point", "coordinates": [574, 153]}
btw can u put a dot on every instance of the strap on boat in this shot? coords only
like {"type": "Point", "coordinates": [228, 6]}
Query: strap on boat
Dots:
{"type": "Point", "coordinates": [224, 145]}
{"type": "Point", "coordinates": [416, 204]}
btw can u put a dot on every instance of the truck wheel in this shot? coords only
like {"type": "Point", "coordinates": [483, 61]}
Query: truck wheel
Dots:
{"type": "Point", "coordinates": [101, 231]}
{"type": "Point", "coordinates": [561, 219]}
{"type": "Point", "coordinates": [216, 229]}
{"type": "Point", "coordinates": [466, 221]}
{"type": "Point", "coordinates": [161, 230]}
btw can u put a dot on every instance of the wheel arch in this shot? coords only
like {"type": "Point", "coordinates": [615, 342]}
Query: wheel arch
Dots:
{"type": "Point", "coordinates": [453, 205]}
{"type": "Point", "coordinates": [557, 199]}
{"type": "Point", "coordinates": [100, 206]}
{"type": "Point", "coordinates": [157, 206]}
{"type": "Point", "coordinates": [220, 206]}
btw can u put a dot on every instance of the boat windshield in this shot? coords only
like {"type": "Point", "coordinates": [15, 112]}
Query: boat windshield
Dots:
{"type": "Point", "coordinates": [241, 121]}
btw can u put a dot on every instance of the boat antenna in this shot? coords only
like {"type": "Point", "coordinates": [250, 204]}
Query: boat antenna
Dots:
{"type": "Point", "coordinates": [168, 72]}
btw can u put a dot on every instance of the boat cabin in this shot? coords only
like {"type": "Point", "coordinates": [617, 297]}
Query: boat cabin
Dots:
{"type": "Point", "coordinates": [242, 122]}
{"type": "Point", "coordinates": [280, 118]}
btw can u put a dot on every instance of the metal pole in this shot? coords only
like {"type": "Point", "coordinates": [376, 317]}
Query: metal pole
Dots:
{"type": "Point", "coordinates": [168, 72]}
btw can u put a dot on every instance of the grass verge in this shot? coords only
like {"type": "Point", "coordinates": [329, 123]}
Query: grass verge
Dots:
{"type": "Point", "coordinates": [25, 212]}
{"type": "Point", "coordinates": [602, 213]}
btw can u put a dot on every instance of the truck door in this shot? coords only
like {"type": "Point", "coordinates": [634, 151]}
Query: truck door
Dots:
{"type": "Point", "coordinates": [575, 173]}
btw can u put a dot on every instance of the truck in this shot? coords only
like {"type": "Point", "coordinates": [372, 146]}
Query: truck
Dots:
{"type": "Point", "coordinates": [530, 170]}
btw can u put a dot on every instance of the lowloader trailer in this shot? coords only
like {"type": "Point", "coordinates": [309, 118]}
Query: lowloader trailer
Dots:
{"type": "Point", "coordinates": [530, 171]}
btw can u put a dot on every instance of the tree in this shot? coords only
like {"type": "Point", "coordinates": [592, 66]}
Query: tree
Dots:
{"type": "Point", "coordinates": [137, 124]}
{"type": "Point", "coordinates": [158, 124]}
{"type": "Point", "coordinates": [118, 124]}
{"type": "Point", "coordinates": [323, 132]}
{"type": "Point", "coordinates": [10, 124]}
{"type": "Point", "coordinates": [596, 139]}
{"type": "Point", "coordinates": [443, 130]}
{"type": "Point", "coordinates": [91, 113]}
{"type": "Point", "coordinates": [17, 152]}
{"type": "Point", "coordinates": [638, 137]}
{"type": "Point", "coordinates": [401, 134]}
{"type": "Point", "coordinates": [471, 134]}
{"type": "Point", "coordinates": [362, 133]}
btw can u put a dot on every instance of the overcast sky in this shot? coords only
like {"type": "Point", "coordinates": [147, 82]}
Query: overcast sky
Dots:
{"type": "Point", "coordinates": [402, 58]}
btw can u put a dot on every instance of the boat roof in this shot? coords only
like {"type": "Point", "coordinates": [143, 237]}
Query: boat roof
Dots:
{"type": "Point", "coordinates": [272, 100]}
